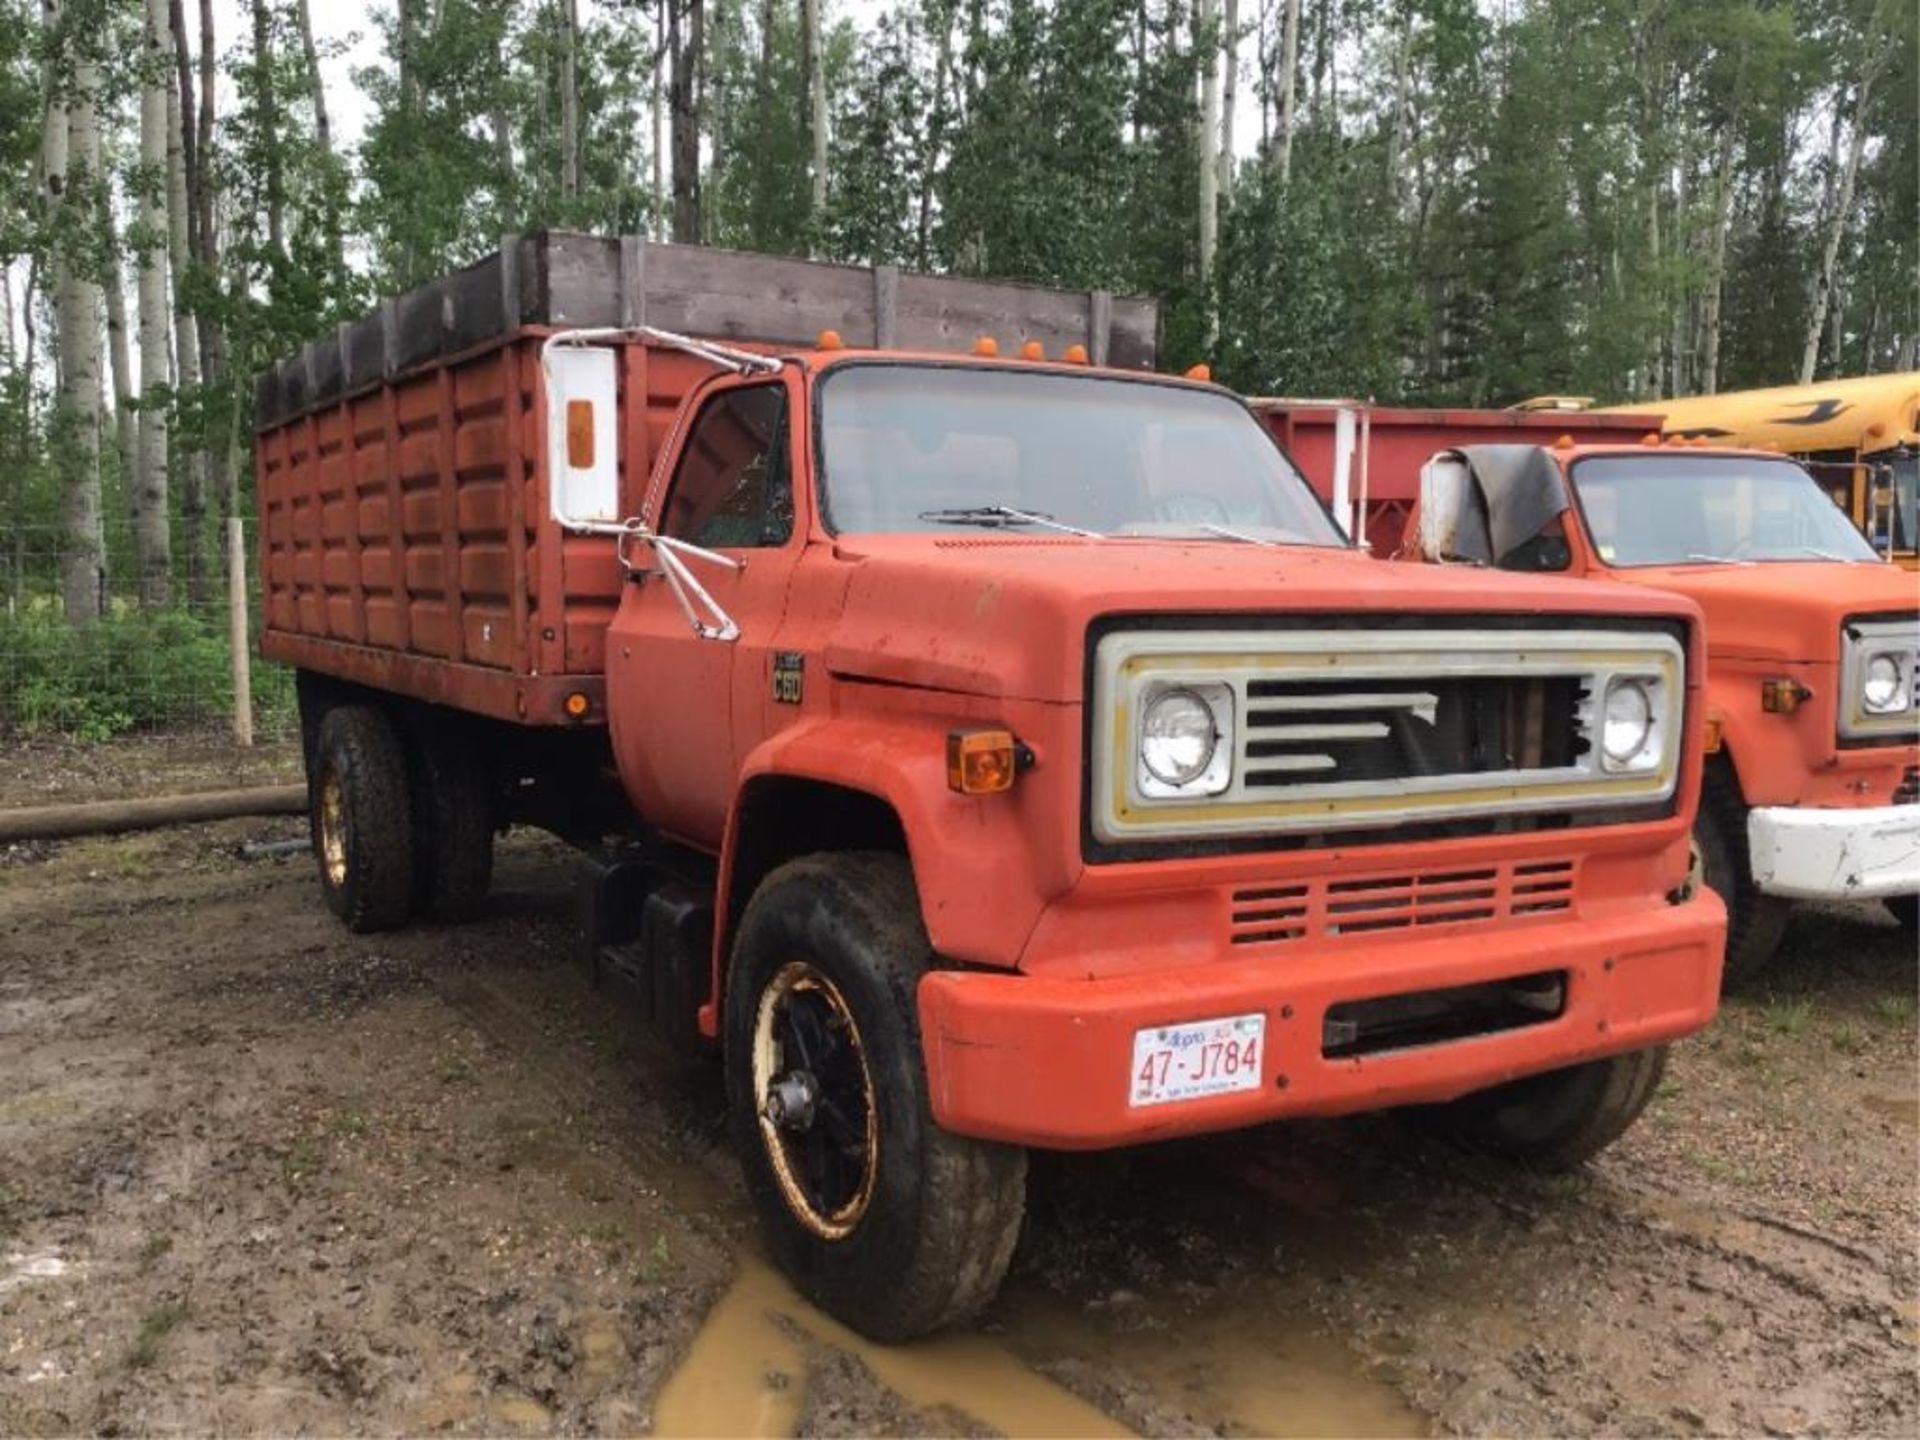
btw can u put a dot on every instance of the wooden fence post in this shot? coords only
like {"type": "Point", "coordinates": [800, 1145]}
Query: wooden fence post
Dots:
{"type": "Point", "coordinates": [238, 636]}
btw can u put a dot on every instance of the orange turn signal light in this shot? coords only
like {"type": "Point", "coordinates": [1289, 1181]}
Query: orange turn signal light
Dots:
{"type": "Point", "coordinates": [984, 762]}
{"type": "Point", "coordinates": [580, 434]}
{"type": "Point", "coordinates": [986, 345]}
{"type": "Point", "coordinates": [1712, 737]}
{"type": "Point", "coordinates": [578, 704]}
{"type": "Point", "coordinates": [1780, 696]}
{"type": "Point", "coordinates": [1075, 355]}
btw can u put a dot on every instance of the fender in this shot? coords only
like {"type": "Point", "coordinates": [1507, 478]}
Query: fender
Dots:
{"type": "Point", "coordinates": [982, 880]}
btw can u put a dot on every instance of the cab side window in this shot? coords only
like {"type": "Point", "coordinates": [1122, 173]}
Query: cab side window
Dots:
{"type": "Point", "coordinates": [733, 489]}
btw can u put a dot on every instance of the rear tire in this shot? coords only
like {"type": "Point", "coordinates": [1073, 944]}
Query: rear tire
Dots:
{"type": "Point", "coordinates": [452, 825]}
{"type": "Point", "coordinates": [879, 1216]}
{"type": "Point", "coordinates": [360, 812]}
{"type": "Point", "coordinates": [1755, 922]}
{"type": "Point", "coordinates": [1556, 1121]}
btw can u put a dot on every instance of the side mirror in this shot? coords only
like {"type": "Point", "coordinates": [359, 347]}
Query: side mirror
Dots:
{"type": "Point", "coordinates": [1448, 500]}
{"type": "Point", "coordinates": [583, 455]}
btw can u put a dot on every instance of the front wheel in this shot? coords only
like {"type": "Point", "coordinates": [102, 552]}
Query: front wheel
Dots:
{"type": "Point", "coordinates": [879, 1216]}
{"type": "Point", "coordinates": [1556, 1121]}
{"type": "Point", "coordinates": [1755, 921]}
{"type": "Point", "coordinates": [361, 819]}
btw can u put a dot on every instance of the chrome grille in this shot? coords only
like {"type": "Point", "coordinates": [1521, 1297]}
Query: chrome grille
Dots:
{"type": "Point", "coordinates": [1277, 914]}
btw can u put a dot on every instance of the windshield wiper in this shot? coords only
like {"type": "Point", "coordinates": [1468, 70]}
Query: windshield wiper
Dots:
{"type": "Point", "coordinates": [1820, 554]}
{"type": "Point", "coordinates": [999, 517]}
{"type": "Point", "coordinates": [1226, 534]}
{"type": "Point", "coordinates": [1717, 560]}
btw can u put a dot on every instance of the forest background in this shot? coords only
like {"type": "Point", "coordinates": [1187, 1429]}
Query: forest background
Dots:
{"type": "Point", "coordinates": [1442, 201]}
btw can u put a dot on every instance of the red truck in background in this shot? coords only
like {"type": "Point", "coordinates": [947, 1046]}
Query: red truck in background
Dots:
{"type": "Point", "coordinates": [1365, 460]}
{"type": "Point", "coordinates": [1812, 784]}
{"type": "Point", "coordinates": [982, 750]}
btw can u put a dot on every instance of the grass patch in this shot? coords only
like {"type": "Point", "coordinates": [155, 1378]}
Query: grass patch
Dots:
{"type": "Point", "coordinates": [160, 1322]}
{"type": "Point", "coordinates": [1896, 1009]}
{"type": "Point", "coordinates": [1787, 1017]}
{"type": "Point", "coordinates": [1850, 1039]}
{"type": "Point", "coordinates": [155, 1247]}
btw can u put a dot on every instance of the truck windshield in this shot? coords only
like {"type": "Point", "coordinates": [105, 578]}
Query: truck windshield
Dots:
{"type": "Point", "coordinates": [921, 449]}
{"type": "Point", "coordinates": [1679, 509]}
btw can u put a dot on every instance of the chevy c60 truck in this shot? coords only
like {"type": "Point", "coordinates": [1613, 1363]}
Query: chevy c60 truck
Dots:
{"type": "Point", "coordinates": [982, 750]}
{"type": "Point", "coordinates": [1812, 716]}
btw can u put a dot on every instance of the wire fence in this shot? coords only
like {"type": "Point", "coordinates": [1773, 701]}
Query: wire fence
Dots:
{"type": "Point", "coordinates": [152, 668]}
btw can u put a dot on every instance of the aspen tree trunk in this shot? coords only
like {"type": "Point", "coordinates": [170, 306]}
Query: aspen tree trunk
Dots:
{"type": "Point", "coordinates": [1206, 17]}
{"type": "Point", "coordinates": [936, 138]}
{"type": "Point", "coordinates": [152, 539]}
{"type": "Point", "coordinates": [661, 53]}
{"type": "Point", "coordinates": [1289, 85]}
{"type": "Point", "coordinates": [213, 346]}
{"type": "Point", "coordinates": [267, 105]}
{"type": "Point", "coordinates": [1229, 94]}
{"type": "Point", "coordinates": [1710, 304]}
{"type": "Point", "coordinates": [77, 307]}
{"type": "Point", "coordinates": [684, 107]}
{"type": "Point", "coordinates": [322, 134]}
{"type": "Point", "coordinates": [1823, 285]}
{"type": "Point", "coordinates": [1681, 382]}
{"type": "Point", "coordinates": [1397, 123]}
{"type": "Point", "coordinates": [569, 99]}
{"type": "Point", "coordinates": [816, 85]}
{"type": "Point", "coordinates": [126, 441]}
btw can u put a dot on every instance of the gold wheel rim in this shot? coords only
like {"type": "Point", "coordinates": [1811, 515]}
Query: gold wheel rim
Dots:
{"type": "Point", "coordinates": [800, 980]}
{"type": "Point", "coordinates": [333, 831]}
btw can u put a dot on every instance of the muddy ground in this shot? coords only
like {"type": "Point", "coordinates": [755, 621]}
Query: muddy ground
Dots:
{"type": "Point", "coordinates": [259, 1174]}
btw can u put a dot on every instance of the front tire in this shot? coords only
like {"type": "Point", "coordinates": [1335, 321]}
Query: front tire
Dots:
{"type": "Point", "coordinates": [1556, 1121]}
{"type": "Point", "coordinates": [360, 813]}
{"type": "Point", "coordinates": [879, 1216]}
{"type": "Point", "coordinates": [1755, 921]}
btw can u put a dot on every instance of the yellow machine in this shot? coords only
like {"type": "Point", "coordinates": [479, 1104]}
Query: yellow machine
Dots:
{"type": "Point", "coordinates": [1860, 437]}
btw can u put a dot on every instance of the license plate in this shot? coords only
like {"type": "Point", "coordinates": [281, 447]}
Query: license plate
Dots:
{"type": "Point", "coordinates": [1187, 1062]}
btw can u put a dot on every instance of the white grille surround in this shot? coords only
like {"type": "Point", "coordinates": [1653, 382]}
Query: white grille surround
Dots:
{"type": "Point", "coordinates": [1331, 725]}
{"type": "Point", "coordinates": [1862, 638]}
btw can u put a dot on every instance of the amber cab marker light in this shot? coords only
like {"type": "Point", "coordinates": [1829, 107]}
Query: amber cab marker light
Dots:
{"type": "Point", "coordinates": [1033, 350]}
{"type": "Point", "coordinates": [1202, 371]}
{"type": "Point", "coordinates": [580, 434]}
{"type": "Point", "coordinates": [578, 704]}
{"type": "Point", "coordinates": [986, 345]}
{"type": "Point", "coordinates": [1782, 696]}
{"type": "Point", "coordinates": [1075, 355]}
{"type": "Point", "coordinates": [1652, 437]}
{"type": "Point", "coordinates": [982, 762]}
{"type": "Point", "coordinates": [1565, 442]}
{"type": "Point", "coordinates": [829, 340]}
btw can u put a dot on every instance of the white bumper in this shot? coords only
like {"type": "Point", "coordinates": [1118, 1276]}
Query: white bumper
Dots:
{"type": "Point", "coordinates": [1836, 854]}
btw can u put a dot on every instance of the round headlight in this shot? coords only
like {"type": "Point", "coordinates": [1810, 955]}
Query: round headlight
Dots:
{"type": "Point", "coordinates": [1880, 686]}
{"type": "Point", "coordinates": [1177, 737]}
{"type": "Point", "coordinates": [1628, 722]}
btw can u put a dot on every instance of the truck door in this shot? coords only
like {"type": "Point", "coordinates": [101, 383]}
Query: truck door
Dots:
{"type": "Point", "coordinates": [673, 691]}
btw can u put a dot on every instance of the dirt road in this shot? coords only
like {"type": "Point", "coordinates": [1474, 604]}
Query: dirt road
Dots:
{"type": "Point", "coordinates": [256, 1173]}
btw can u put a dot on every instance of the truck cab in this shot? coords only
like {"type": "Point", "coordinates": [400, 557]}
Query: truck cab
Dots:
{"type": "Point", "coordinates": [1811, 718]}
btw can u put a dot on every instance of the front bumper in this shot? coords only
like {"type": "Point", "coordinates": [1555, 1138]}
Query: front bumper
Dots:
{"type": "Point", "coordinates": [1047, 1061]}
{"type": "Point", "coordinates": [1810, 854]}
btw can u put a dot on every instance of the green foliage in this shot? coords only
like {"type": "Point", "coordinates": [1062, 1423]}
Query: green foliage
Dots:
{"type": "Point", "coordinates": [132, 671]}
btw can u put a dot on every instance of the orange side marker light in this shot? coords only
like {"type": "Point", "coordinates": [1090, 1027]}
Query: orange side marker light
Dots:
{"type": "Point", "coordinates": [986, 345]}
{"type": "Point", "coordinates": [1075, 355]}
{"type": "Point", "coordinates": [578, 704]}
{"type": "Point", "coordinates": [1780, 696]}
{"type": "Point", "coordinates": [829, 340]}
{"type": "Point", "coordinates": [1033, 350]}
{"type": "Point", "coordinates": [981, 762]}
{"type": "Point", "coordinates": [580, 434]}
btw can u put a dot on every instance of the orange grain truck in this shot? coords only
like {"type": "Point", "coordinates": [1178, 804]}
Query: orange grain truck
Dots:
{"type": "Point", "coordinates": [982, 751]}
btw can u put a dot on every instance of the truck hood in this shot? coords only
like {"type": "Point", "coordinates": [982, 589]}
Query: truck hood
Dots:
{"type": "Point", "coordinates": [1007, 616]}
{"type": "Point", "coordinates": [1783, 610]}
